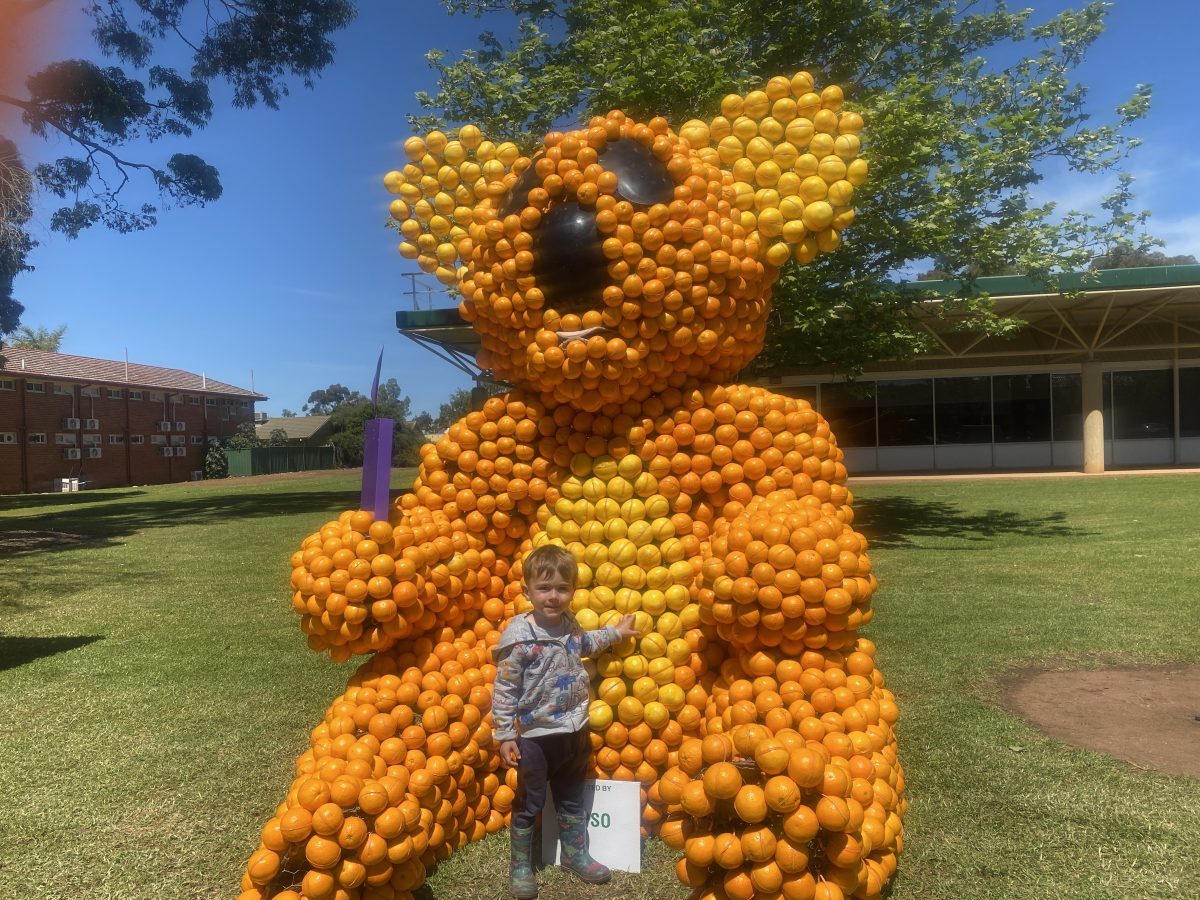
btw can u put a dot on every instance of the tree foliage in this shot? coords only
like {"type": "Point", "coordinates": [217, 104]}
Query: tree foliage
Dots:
{"type": "Point", "coordinates": [257, 47]}
{"type": "Point", "coordinates": [324, 401]}
{"type": "Point", "coordinates": [27, 338]}
{"type": "Point", "coordinates": [349, 427]}
{"type": "Point", "coordinates": [968, 107]}
{"type": "Point", "coordinates": [1131, 257]}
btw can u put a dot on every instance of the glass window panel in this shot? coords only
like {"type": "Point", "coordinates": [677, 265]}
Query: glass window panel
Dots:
{"type": "Point", "coordinates": [1189, 402]}
{"type": "Point", "coordinates": [1021, 408]}
{"type": "Point", "coordinates": [1143, 405]}
{"type": "Point", "coordinates": [799, 391]}
{"type": "Point", "coordinates": [1068, 406]}
{"type": "Point", "coordinates": [964, 410]}
{"type": "Point", "coordinates": [850, 412]}
{"type": "Point", "coordinates": [905, 412]}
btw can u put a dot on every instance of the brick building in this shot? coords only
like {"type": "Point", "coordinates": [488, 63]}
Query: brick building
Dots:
{"type": "Point", "coordinates": [106, 422]}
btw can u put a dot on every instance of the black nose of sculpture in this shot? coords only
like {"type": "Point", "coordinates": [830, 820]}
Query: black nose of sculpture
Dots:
{"type": "Point", "coordinates": [568, 258]}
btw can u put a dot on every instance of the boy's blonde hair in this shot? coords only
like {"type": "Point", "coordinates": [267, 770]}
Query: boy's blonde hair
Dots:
{"type": "Point", "coordinates": [550, 559]}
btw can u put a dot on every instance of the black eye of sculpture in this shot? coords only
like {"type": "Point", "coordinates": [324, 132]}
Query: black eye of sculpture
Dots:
{"type": "Point", "coordinates": [641, 177]}
{"type": "Point", "coordinates": [568, 257]}
{"type": "Point", "coordinates": [517, 197]}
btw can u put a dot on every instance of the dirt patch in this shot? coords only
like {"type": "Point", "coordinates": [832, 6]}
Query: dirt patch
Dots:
{"type": "Point", "coordinates": [25, 541]}
{"type": "Point", "coordinates": [1144, 716]}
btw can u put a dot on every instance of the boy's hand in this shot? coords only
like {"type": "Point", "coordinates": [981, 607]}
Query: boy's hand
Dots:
{"type": "Point", "coordinates": [626, 627]}
{"type": "Point", "coordinates": [510, 753]}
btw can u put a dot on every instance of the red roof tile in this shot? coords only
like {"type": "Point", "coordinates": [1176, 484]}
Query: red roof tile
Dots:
{"type": "Point", "coordinates": [107, 371]}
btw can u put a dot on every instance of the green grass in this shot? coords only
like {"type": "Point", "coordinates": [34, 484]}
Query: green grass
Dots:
{"type": "Point", "coordinates": [155, 689]}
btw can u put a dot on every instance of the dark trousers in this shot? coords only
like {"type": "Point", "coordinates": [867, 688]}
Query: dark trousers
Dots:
{"type": "Point", "coordinates": [557, 760]}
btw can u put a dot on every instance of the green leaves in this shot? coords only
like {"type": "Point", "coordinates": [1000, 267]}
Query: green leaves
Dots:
{"type": "Point", "coordinates": [968, 107]}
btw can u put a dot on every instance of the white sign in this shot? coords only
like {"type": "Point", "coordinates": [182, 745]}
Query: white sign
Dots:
{"type": "Point", "coordinates": [614, 825]}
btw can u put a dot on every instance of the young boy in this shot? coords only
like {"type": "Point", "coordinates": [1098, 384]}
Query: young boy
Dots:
{"type": "Point", "coordinates": [540, 713]}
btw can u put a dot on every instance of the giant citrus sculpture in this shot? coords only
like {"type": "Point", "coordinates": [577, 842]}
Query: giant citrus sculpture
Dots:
{"type": "Point", "coordinates": [618, 277]}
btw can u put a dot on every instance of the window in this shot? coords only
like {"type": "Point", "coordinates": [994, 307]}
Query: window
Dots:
{"type": "Point", "coordinates": [245, 404]}
{"type": "Point", "coordinates": [210, 401]}
{"type": "Point", "coordinates": [964, 410]}
{"type": "Point", "coordinates": [197, 439]}
{"type": "Point", "coordinates": [194, 401]}
{"type": "Point", "coordinates": [115, 393]}
{"type": "Point", "coordinates": [90, 391]}
{"type": "Point", "coordinates": [1021, 408]}
{"type": "Point", "coordinates": [64, 440]}
{"type": "Point", "coordinates": [156, 396]}
{"type": "Point", "coordinates": [1189, 402]}
{"type": "Point", "coordinates": [116, 439]}
{"type": "Point", "coordinates": [1066, 392]}
{"type": "Point", "coordinates": [60, 388]}
{"type": "Point", "coordinates": [1143, 405]}
{"type": "Point", "coordinates": [135, 395]}
{"type": "Point", "coordinates": [137, 439]}
{"type": "Point", "coordinates": [799, 391]}
{"type": "Point", "coordinates": [158, 440]}
{"type": "Point", "coordinates": [8, 437]}
{"type": "Point", "coordinates": [850, 410]}
{"type": "Point", "coordinates": [178, 439]}
{"type": "Point", "coordinates": [905, 412]}
{"type": "Point", "coordinates": [91, 440]}
{"type": "Point", "coordinates": [37, 438]}
{"type": "Point", "coordinates": [228, 402]}
{"type": "Point", "coordinates": [7, 384]}
{"type": "Point", "coordinates": [35, 387]}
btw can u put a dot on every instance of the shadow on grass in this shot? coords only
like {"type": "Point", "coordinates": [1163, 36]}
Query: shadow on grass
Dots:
{"type": "Point", "coordinates": [43, 501]}
{"type": "Point", "coordinates": [90, 527]}
{"type": "Point", "coordinates": [896, 521]}
{"type": "Point", "coordinates": [16, 651]}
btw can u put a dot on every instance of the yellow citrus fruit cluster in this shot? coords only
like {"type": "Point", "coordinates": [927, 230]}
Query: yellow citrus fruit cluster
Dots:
{"type": "Point", "coordinates": [401, 773]}
{"type": "Point", "coordinates": [793, 154]}
{"type": "Point", "coordinates": [795, 790]}
{"type": "Point", "coordinates": [439, 190]}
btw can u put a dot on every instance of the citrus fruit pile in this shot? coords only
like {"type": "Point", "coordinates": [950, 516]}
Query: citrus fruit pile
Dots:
{"type": "Point", "coordinates": [676, 269]}
{"type": "Point", "coordinates": [401, 772]}
{"type": "Point", "coordinates": [617, 276]}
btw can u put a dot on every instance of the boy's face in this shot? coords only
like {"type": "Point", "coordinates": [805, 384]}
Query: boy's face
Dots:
{"type": "Point", "coordinates": [550, 594]}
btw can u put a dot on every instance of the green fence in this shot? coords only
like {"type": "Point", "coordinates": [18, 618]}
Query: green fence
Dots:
{"type": "Point", "coordinates": [272, 460]}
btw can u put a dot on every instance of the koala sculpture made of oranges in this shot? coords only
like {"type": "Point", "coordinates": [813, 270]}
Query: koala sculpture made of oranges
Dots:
{"type": "Point", "coordinates": [617, 279]}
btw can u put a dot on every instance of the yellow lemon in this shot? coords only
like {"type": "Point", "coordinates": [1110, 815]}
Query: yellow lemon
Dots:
{"type": "Point", "coordinates": [779, 253]}
{"type": "Point", "coordinates": [658, 578]}
{"type": "Point", "coordinates": [630, 466]}
{"type": "Point", "coordinates": [601, 598]}
{"type": "Point", "coordinates": [794, 231]}
{"type": "Point", "coordinates": [633, 577]}
{"type": "Point", "coordinates": [648, 556]}
{"type": "Point", "coordinates": [832, 97]}
{"type": "Point", "coordinates": [613, 528]}
{"type": "Point", "coordinates": [731, 106]}
{"type": "Point", "coordinates": [743, 170]}
{"type": "Point", "coordinates": [718, 129]}
{"type": "Point", "coordinates": [771, 129]}
{"type": "Point", "coordinates": [784, 109]}
{"type": "Point", "coordinates": [828, 240]}
{"type": "Point", "coordinates": [629, 711]}
{"type": "Point", "coordinates": [604, 467]}
{"type": "Point", "coordinates": [608, 665]}
{"type": "Point", "coordinates": [656, 714]}
{"type": "Point", "coordinates": [393, 182]}
{"type": "Point", "coordinates": [645, 688]}
{"type": "Point", "coordinates": [587, 619]}
{"type": "Point", "coordinates": [409, 250]}
{"type": "Point", "coordinates": [663, 531]}
{"type": "Point", "coordinates": [832, 169]}
{"type": "Point", "coordinates": [807, 104]}
{"type": "Point", "coordinates": [611, 690]}
{"type": "Point", "coordinates": [850, 123]}
{"type": "Point", "coordinates": [801, 83]}
{"type": "Point", "coordinates": [813, 188]}
{"type": "Point", "coordinates": [792, 207]}
{"type": "Point", "coordinates": [821, 145]}
{"type": "Point", "coordinates": [818, 215]}
{"type": "Point", "coordinates": [668, 626]}
{"type": "Point", "coordinates": [599, 715]}
{"type": "Point", "coordinates": [689, 616]}
{"type": "Point", "coordinates": [634, 666]}
{"type": "Point", "coordinates": [672, 697]}
{"type": "Point", "coordinates": [841, 193]}
{"type": "Point", "coordinates": [744, 129]}
{"type": "Point", "coordinates": [632, 510]}
{"type": "Point", "coordinates": [470, 136]}
{"type": "Point", "coordinates": [641, 532]}
{"type": "Point", "coordinates": [607, 509]}
{"type": "Point", "coordinates": [785, 155]}
{"type": "Point", "coordinates": [653, 645]}
{"type": "Point", "coordinates": [508, 153]}
{"type": "Point", "coordinates": [777, 87]}
{"type": "Point", "coordinates": [656, 507]}
{"type": "Point", "coordinates": [767, 174]}
{"type": "Point", "coordinates": [679, 651]}
{"type": "Point", "coordinates": [759, 149]}
{"type": "Point", "coordinates": [414, 148]}
{"type": "Point", "coordinates": [627, 600]}
{"type": "Point", "coordinates": [770, 222]}
{"type": "Point", "coordinates": [695, 132]}
{"type": "Point", "coordinates": [591, 532]}
{"type": "Point", "coordinates": [743, 195]}
{"type": "Point", "coordinates": [847, 146]}
{"type": "Point", "coordinates": [654, 601]}
{"type": "Point", "coordinates": [645, 484]}
{"type": "Point", "coordinates": [756, 104]}
{"type": "Point", "coordinates": [662, 670]}
{"type": "Point", "coordinates": [842, 217]}
{"type": "Point", "coordinates": [856, 172]}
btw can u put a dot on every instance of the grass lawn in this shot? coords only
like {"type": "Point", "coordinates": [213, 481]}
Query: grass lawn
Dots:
{"type": "Point", "coordinates": [155, 688]}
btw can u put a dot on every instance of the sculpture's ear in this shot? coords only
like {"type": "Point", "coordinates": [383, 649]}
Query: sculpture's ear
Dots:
{"type": "Point", "coordinates": [793, 153]}
{"type": "Point", "coordinates": [448, 185]}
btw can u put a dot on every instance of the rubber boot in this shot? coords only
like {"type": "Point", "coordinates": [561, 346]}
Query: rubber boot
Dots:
{"type": "Point", "coordinates": [521, 879]}
{"type": "Point", "coordinates": [575, 857]}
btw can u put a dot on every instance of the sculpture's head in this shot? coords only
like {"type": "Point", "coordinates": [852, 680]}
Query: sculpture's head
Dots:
{"type": "Point", "coordinates": [625, 257]}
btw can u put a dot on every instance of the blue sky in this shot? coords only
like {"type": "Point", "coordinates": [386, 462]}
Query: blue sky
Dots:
{"type": "Point", "coordinates": [292, 275]}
